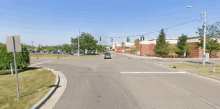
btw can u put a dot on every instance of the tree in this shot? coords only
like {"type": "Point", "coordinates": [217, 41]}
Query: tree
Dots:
{"type": "Point", "coordinates": [39, 48]}
{"type": "Point", "coordinates": [28, 46]}
{"type": "Point", "coordinates": [100, 48]}
{"type": "Point", "coordinates": [66, 48]}
{"type": "Point", "coordinates": [182, 46]}
{"type": "Point", "coordinates": [172, 48]}
{"type": "Point", "coordinates": [122, 43]}
{"type": "Point", "coordinates": [50, 48]}
{"type": "Point", "coordinates": [213, 35]}
{"type": "Point", "coordinates": [135, 49]}
{"type": "Point", "coordinates": [86, 41]}
{"type": "Point", "coordinates": [162, 47]}
{"type": "Point", "coordinates": [2, 45]}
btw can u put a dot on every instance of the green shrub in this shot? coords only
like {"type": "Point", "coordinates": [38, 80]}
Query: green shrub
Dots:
{"type": "Point", "coordinates": [22, 58]}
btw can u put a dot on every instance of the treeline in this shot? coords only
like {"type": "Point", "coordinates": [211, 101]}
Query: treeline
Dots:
{"type": "Point", "coordinates": [86, 42]}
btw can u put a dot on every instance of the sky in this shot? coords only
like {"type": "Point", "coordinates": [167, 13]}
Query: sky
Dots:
{"type": "Point", "coordinates": [54, 22]}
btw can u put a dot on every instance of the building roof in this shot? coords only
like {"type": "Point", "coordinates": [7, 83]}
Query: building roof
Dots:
{"type": "Point", "coordinates": [171, 40]}
{"type": "Point", "coordinates": [118, 44]}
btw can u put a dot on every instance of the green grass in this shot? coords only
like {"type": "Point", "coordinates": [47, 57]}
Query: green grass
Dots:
{"type": "Point", "coordinates": [198, 68]}
{"type": "Point", "coordinates": [6, 72]}
{"type": "Point", "coordinates": [34, 84]}
{"type": "Point", "coordinates": [56, 55]}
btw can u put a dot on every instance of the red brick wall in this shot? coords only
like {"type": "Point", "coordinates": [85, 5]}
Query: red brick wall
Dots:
{"type": "Point", "coordinates": [195, 53]}
{"type": "Point", "coordinates": [117, 49]}
{"type": "Point", "coordinates": [147, 49]}
{"type": "Point", "coordinates": [140, 49]}
{"type": "Point", "coordinates": [137, 43]}
{"type": "Point", "coordinates": [216, 55]}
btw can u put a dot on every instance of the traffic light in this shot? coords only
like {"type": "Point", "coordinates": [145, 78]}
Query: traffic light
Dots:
{"type": "Point", "coordinates": [128, 39]}
{"type": "Point", "coordinates": [100, 38]}
{"type": "Point", "coordinates": [112, 40]}
{"type": "Point", "coordinates": [142, 38]}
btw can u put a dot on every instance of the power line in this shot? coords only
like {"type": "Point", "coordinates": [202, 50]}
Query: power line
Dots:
{"type": "Point", "coordinates": [180, 24]}
{"type": "Point", "coordinates": [158, 30]}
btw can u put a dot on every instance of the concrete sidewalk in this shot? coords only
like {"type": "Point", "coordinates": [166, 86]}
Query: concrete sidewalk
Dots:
{"type": "Point", "coordinates": [166, 60]}
{"type": "Point", "coordinates": [132, 55]}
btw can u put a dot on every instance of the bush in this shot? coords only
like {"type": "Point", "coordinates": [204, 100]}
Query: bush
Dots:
{"type": "Point", "coordinates": [22, 58]}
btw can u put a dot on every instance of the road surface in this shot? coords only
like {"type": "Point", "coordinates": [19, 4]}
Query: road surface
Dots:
{"type": "Point", "coordinates": [97, 83]}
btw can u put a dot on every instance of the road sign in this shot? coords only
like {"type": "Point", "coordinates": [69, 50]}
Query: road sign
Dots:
{"type": "Point", "coordinates": [13, 40]}
{"type": "Point", "coordinates": [14, 45]}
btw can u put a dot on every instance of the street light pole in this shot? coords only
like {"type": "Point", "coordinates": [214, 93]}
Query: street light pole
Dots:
{"type": "Point", "coordinates": [204, 40]}
{"type": "Point", "coordinates": [204, 37]}
{"type": "Point", "coordinates": [78, 41]}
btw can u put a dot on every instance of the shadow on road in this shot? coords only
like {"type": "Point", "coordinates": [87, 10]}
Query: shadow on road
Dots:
{"type": "Point", "coordinates": [194, 62]}
{"type": "Point", "coordinates": [53, 86]}
{"type": "Point", "coordinates": [207, 63]}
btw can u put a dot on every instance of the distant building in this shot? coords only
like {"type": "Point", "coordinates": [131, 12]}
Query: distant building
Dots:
{"type": "Point", "coordinates": [113, 45]}
{"type": "Point", "coordinates": [146, 47]}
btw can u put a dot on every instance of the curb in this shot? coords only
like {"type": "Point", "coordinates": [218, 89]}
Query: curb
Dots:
{"type": "Point", "coordinates": [50, 93]}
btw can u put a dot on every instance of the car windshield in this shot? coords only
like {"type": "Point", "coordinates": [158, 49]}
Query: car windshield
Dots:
{"type": "Point", "coordinates": [107, 53]}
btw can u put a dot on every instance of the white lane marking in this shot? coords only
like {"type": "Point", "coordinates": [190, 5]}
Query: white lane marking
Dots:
{"type": "Point", "coordinates": [153, 72]}
{"type": "Point", "coordinates": [40, 63]}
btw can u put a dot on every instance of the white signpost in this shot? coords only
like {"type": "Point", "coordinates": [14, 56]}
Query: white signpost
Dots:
{"type": "Point", "coordinates": [184, 54]}
{"type": "Point", "coordinates": [14, 45]}
{"type": "Point", "coordinates": [207, 57]}
{"type": "Point", "coordinates": [11, 68]}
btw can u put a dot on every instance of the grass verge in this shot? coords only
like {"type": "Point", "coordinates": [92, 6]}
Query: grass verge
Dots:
{"type": "Point", "coordinates": [33, 84]}
{"type": "Point", "coordinates": [198, 68]}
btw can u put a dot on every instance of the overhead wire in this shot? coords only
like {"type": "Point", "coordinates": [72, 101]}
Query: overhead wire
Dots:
{"type": "Point", "coordinates": [159, 30]}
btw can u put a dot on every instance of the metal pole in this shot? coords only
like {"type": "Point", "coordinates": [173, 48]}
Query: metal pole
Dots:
{"type": "Point", "coordinates": [78, 41]}
{"type": "Point", "coordinates": [213, 67]}
{"type": "Point", "coordinates": [204, 39]}
{"type": "Point", "coordinates": [11, 68]}
{"type": "Point", "coordinates": [16, 73]}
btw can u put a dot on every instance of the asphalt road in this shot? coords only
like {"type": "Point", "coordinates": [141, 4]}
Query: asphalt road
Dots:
{"type": "Point", "coordinates": [95, 83]}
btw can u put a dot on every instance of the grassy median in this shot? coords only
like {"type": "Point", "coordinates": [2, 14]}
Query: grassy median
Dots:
{"type": "Point", "coordinates": [34, 84]}
{"type": "Point", "coordinates": [56, 55]}
{"type": "Point", "coordinates": [198, 68]}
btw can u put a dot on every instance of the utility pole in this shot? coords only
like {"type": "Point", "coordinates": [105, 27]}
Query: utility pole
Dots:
{"type": "Point", "coordinates": [32, 43]}
{"type": "Point", "coordinates": [78, 41]}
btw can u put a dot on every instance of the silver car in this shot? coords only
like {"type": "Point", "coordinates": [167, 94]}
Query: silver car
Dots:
{"type": "Point", "coordinates": [107, 55]}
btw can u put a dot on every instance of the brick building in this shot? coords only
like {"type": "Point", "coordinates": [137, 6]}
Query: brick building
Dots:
{"type": "Point", "coordinates": [146, 47]}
